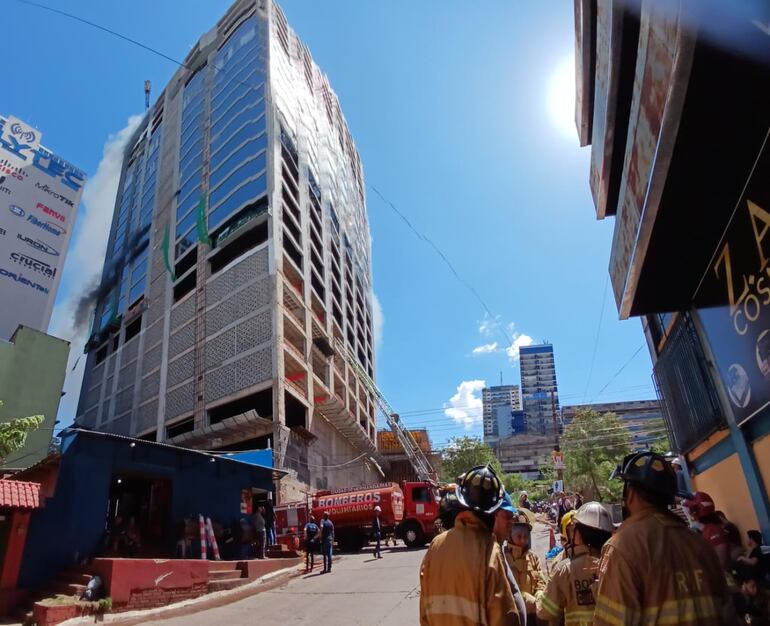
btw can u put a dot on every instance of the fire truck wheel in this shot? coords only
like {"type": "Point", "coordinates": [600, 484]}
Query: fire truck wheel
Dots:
{"type": "Point", "coordinates": [413, 535]}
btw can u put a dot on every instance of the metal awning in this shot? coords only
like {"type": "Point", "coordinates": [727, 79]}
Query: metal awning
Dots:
{"type": "Point", "coordinates": [229, 430]}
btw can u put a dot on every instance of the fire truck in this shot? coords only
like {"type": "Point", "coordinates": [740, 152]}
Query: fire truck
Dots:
{"type": "Point", "coordinates": [408, 511]}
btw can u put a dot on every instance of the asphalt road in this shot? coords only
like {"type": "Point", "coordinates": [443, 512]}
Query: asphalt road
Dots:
{"type": "Point", "coordinates": [359, 590]}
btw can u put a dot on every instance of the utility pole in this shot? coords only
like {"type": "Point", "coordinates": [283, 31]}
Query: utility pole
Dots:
{"type": "Point", "coordinates": [553, 414]}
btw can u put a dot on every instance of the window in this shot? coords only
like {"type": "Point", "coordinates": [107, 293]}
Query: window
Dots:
{"type": "Point", "coordinates": [224, 130]}
{"type": "Point", "coordinates": [231, 183]}
{"type": "Point", "coordinates": [248, 131]}
{"type": "Point", "coordinates": [101, 354]}
{"type": "Point", "coordinates": [247, 193]}
{"type": "Point", "coordinates": [239, 156]}
{"type": "Point", "coordinates": [133, 329]}
{"type": "Point", "coordinates": [186, 223]}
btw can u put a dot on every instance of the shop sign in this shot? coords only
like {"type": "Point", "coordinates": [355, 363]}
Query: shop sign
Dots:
{"type": "Point", "coordinates": [733, 299]}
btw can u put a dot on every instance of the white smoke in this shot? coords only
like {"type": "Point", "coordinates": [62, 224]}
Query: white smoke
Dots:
{"type": "Point", "coordinates": [85, 258]}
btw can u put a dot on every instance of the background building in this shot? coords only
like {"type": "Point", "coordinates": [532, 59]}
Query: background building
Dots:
{"type": "Point", "coordinates": [32, 369]}
{"type": "Point", "coordinates": [400, 467]}
{"type": "Point", "coordinates": [642, 418]}
{"type": "Point", "coordinates": [690, 248]}
{"type": "Point", "coordinates": [539, 392]}
{"type": "Point", "coordinates": [239, 268]}
{"type": "Point", "coordinates": [498, 402]}
{"type": "Point", "coordinates": [524, 454]}
{"type": "Point", "coordinates": [39, 198]}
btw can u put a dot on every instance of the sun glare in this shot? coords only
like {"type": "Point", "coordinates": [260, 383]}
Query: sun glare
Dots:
{"type": "Point", "coordinates": [561, 96]}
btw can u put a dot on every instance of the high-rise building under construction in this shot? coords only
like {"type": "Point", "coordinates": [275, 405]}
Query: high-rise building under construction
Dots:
{"type": "Point", "coordinates": [235, 305]}
{"type": "Point", "coordinates": [539, 391]}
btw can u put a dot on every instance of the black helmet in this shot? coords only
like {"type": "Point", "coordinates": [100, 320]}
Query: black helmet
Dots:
{"type": "Point", "coordinates": [480, 490]}
{"type": "Point", "coordinates": [648, 470]}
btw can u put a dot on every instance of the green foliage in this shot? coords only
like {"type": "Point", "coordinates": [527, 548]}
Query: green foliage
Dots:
{"type": "Point", "coordinates": [661, 445]}
{"type": "Point", "coordinates": [13, 434]}
{"type": "Point", "coordinates": [464, 453]}
{"type": "Point", "coordinates": [593, 445]}
{"type": "Point", "coordinates": [104, 605]}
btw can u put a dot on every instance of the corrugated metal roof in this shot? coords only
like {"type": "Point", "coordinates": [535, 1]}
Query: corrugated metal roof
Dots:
{"type": "Point", "coordinates": [17, 494]}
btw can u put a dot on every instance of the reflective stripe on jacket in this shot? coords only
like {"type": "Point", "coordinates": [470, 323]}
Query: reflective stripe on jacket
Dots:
{"type": "Point", "coordinates": [463, 581]}
{"type": "Point", "coordinates": [655, 571]}
{"type": "Point", "coordinates": [569, 592]}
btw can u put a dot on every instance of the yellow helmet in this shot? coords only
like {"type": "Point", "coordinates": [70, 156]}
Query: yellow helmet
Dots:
{"type": "Point", "coordinates": [566, 520]}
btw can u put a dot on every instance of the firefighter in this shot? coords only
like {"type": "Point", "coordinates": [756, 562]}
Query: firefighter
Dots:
{"type": "Point", "coordinates": [701, 508]}
{"type": "Point", "coordinates": [654, 570]}
{"type": "Point", "coordinates": [504, 518]}
{"type": "Point", "coordinates": [462, 577]}
{"type": "Point", "coordinates": [525, 564]}
{"type": "Point", "coordinates": [569, 592]}
{"type": "Point", "coordinates": [567, 526]}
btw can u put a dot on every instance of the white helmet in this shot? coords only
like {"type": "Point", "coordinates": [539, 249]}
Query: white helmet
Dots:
{"type": "Point", "coordinates": [377, 508]}
{"type": "Point", "coordinates": [523, 494]}
{"type": "Point", "coordinates": [595, 515]}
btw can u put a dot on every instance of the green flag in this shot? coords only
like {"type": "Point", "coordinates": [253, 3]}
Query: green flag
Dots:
{"type": "Point", "coordinates": [203, 229]}
{"type": "Point", "coordinates": [166, 258]}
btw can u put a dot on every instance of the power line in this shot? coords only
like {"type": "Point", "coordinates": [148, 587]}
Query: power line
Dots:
{"type": "Point", "coordinates": [598, 331]}
{"type": "Point", "coordinates": [622, 367]}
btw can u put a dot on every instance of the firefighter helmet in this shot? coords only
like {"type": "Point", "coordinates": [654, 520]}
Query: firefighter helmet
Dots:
{"type": "Point", "coordinates": [566, 520]}
{"type": "Point", "coordinates": [480, 490]}
{"type": "Point", "coordinates": [521, 519]}
{"type": "Point", "coordinates": [700, 505]}
{"type": "Point", "coordinates": [648, 470]}
{"type": "Point", "coordinates": [595, 515]}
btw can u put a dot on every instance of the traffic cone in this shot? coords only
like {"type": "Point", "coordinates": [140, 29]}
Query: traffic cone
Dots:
{"type": "Point", "coordinates": [551, 538]}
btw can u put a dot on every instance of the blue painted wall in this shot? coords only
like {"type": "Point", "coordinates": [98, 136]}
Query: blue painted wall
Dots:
{"type": "Point", "coordinates": [70, 527]}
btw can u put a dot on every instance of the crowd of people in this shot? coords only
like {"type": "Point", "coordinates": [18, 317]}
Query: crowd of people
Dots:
{"type": "Point", "coordinates": [655, 567]}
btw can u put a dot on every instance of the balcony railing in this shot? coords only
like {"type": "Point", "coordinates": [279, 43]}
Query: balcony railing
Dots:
{"type": "Point", "coordinates": [687, 395]}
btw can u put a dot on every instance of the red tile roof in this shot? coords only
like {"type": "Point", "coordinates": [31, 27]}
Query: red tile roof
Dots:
{"type": "Point", "coordinates": [16, 494]}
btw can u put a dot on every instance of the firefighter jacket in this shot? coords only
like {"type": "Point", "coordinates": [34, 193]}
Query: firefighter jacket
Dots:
{"type": "Point", "coordinates": [463, 580]}
{"type": "Point", "coordinates": [526, 569]}
{"type": "Point", "coordinates": [569, 593]}
{"type": "Point", "coordinates": [656, 571]}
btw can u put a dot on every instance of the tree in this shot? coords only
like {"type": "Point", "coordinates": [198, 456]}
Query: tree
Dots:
{"type": "Point", "coordinates": [463, 453]}
{"type": "Point", "coordinates": [593, 445]}
{"type": "Point", "coordinates": [13, 434]}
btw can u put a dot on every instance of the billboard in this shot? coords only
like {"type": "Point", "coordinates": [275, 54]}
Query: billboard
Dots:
{"type": "Point", "coordinates": [39, 197]}
{"type": "Point", "coordinates": [733, 299]}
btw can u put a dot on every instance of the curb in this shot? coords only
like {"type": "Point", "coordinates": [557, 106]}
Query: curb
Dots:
{"type": "Point", "coordinates": [201, 603]}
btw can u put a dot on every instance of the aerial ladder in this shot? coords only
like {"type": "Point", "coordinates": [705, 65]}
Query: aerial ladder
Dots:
{"type": "Point", "coordinates": [414, 453]}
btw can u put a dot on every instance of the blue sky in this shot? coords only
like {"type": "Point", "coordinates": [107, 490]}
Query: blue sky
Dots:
{"type": "Point", "coordinates": [462, 116]}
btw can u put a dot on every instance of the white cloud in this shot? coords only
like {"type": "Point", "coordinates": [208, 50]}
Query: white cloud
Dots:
{"type": "Point", "coordinates": [85, 258]}
{"type": "Point", "coordinates": [486, 348]}
{"type": "Point", "coordinates": [378, 321]}
{"type": "Point", "coordinates": [465, 406]}
{"type": "Point", "coordinates": [519, 340]}
{"type": "Point", "coordinates": [489, 325]}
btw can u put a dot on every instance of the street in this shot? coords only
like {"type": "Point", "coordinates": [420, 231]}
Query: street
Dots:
{"type": "Point", "coordinates": [360, 590]}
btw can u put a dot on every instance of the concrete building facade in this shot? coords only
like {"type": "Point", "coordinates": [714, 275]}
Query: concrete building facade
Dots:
{"type": "Point", "coordinates": [32, 370]}
{"type": "Point", "coordinates": [642, 418]}
{"type": "Point", "coordinates": [539, 391]}
{"type": "Point", "coordinates": [497, 403]}
{"type": "Point", "coordinates": [239, 265]}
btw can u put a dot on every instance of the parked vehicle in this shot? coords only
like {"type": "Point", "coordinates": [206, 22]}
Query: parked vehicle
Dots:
{"type": "Point", "coordinates": [408, 511]}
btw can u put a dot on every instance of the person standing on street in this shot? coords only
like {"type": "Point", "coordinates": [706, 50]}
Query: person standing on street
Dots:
{"type": "Point", "coordinates": [327, 542]}
{"type": "Point", "coordinates": [702, 509]}
{"type": "Point", "coordinates": [525, 564]}
{"type": "Point", "coordinates": [259, 532]}
{"type": "Point", "coordinates": [569, 594]}
{"type": "Point", "coordinates": [654, 570]}
{"type": "Point", "coordinates": [311, 542]}
{"type": "Point", "coordinates": [462, 577]}
{"type": "Point", "coordinates": [504, 518]}
{"type": "Point", "coordinates": [377, 529]}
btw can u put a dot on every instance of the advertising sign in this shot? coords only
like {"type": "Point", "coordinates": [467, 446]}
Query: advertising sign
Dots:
{"type": "Point", "coordinates": [733, 300]}
{"type": "Point", "coordinates": [558, 460]}
{"type": "Point", "coordinates": [39, 197]}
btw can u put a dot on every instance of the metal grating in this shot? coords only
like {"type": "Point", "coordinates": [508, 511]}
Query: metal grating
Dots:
{"type": "Point", "coordinates": [150, 387]}
{"type": "Point", "coordinates": [220, 349]}
{"type": "Point", "coordinates": [124, 400]}
{"type": "Point", "coordinates": [127, 375]}
{"type": "Point", "coordinates": [246, 372]}
{"type": "Point", "coordinates": [130, 350]}
{"type": "Point", "coordinates": [182, 340]}
{"type": "Point", "coordinates": [92, 397]}
{"type": "Point", "coordinates": [183, 312]}
{"type": "Point", "coordinates": [238, 305]}
{"type": "Point", "coordinates": [687, 395]}
{"type": "Point", "coordinates": [120, 425]}
{"type": "Point", "coordinates": [181, 369]}
{"type": "Point", "coordinates": [254, 331]}
{"type": "Point", "coordinates": [180, 401]}
{"type": "Point", "coordinates": [152, 359]}
{"type": "Point", "coordinates": [153, 334]}
{"type": "Point", "coordinates": [146, 416]}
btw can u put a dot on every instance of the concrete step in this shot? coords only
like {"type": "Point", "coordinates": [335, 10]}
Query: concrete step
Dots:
{"type": "Point", "coordinates": [282, 554]}
{"type": "Point", "coordinates": [224, 574]}
{"type": "Point", "coordinates": [222, 585]}
{"type": "Point", "coordinates": [216, 566]}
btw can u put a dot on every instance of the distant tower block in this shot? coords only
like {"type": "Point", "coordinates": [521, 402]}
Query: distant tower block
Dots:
{"type": "Point", "coordinates": [147, 86]}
